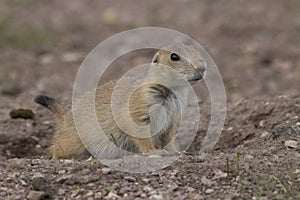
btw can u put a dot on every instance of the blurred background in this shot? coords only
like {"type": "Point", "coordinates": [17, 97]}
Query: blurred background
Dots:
{"type": "Point", "coordinates": [255, 43]}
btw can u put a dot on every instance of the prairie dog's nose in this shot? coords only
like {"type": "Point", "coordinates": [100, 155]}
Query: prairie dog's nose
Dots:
{"type": "Point", "coordinates": [201, 69]}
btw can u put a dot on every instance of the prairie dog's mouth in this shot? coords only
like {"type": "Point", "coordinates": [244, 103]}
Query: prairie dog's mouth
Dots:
{"type": "Point", "coordinates": [195, 78]}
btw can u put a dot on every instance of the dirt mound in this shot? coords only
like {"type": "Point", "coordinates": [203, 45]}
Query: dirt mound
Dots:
{"type": "Point", "coordinates": [257, 155]}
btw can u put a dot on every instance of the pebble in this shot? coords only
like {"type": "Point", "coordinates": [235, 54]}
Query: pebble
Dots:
{"type": "Point", "coordinates": [230, 129]}
{"type": "Point", "coordinates": [35, 162]}
{"type": "Point", "coordinates": [112, 195]}
{"type": "Point", "coordinates": [209, 191]}
{"type": "Point", "coordinates": [67, 161]}
{"type": "Point", "coordinates": [262, 123]}
{"type": "Point", "coordinates": [90, 193]}
{"type": "Point", "coordinates": [290, 144]}
{"type": "Point", "coordinates": [69, 180]}
{"type": "Point", "coordinates": [264, 134]}
{"type": "Point", "coordinates": [36, 195]}
{"type": "Point", "coordinates": [297, 171]}
{"type": "Point", "coordinates": [190, 189]}
{"type": "Point", "coordinates": [146, 180]}
{"type": "Point", "coordinates": [205, 181]}
{"type": "Point", "coordinates": [106, 170]}
{"type": "Point", "coordinates": [143, 195]}
{"type": "Point", "coordinates": [23, 182]}
{"type": "Point", "coordinates": [147, 188]}
{"type": "Point", "coordinates": [248, 157]}
{"type": "Point", "coordinates": [91, 185]}
{"type": "Point", "coordinates": [62, 171]}
{"type": "Point", "coordinates": [219, 174]}
{"type": "Point", "coordinates": [130, 179]}
{"type": "Point", "coordinates": [157, 197]}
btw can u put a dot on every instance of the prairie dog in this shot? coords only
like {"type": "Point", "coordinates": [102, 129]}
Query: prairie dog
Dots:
{"type": "Point", "coordinates": [183, 59]}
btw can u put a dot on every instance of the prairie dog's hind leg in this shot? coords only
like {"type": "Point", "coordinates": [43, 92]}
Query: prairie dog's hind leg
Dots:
{"type": "Point", "coordinates": [66, 145]}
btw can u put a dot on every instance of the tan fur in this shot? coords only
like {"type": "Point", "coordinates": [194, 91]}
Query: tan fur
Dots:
{"type": "Point", "coordinates": [107, 144]}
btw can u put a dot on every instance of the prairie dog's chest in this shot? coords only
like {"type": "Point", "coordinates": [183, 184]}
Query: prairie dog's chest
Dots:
{"type": "Point", "coordinates": [164, 115]}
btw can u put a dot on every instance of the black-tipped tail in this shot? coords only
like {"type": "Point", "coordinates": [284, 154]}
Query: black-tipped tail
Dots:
{"type": "Point", "coordinates": [50, 103]}
{"type": "Point", "coordinates": [46, 101]}
{"type": "Point", "coordinates": [53, 105]}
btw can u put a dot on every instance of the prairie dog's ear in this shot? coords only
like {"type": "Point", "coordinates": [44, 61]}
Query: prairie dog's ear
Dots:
{"type": "Point", "coordinates": [155, 58]}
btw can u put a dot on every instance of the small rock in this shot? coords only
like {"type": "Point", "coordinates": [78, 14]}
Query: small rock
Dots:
{"type": "Point", "coordinates": [91, 185]}
{"type": "Point", "coordinates": [153, 192]}
{"type": "Point", "coordinates": [112, 195]}
{"type": "Point", "coordinates": [143, 195]}
{"type": "Point", "coordinates": [248, 157]}
{"type": "Point", "coordinates": [36, 195]}
{"type": "Point", "coordinates": [146, 180]}
{"type": "Point", "coordinates": [230, 129]}
{"type": "Point", "coordinates": [262, 123]}
{"type": "Point", "coordinates": [62, 171]}
{"type": "Point", "coordinates": [35, 162]}
{"type": "Point", "coordinates": [24, 183]}
{"type": "Point", "coordinates": [190, 189]}
{"type": "Point", "coordinates": [61, 191]}
{"type": "Point", "coordinates": [219, 174]}
{"type": "Point", "coordinates": [209, 191]}
{"type": "Point", "coordinates": [130, 179]}
{"type": "Point", "coordinates": [297, 171]}
{"type": "Point", "coordinates": [106, 170]}
{"type": "Point", "coordinates": [264, 134]}
{"type": "Point", "coordinates": [98, 195]}
{"type": "Point", "coordinates": [66, 161]}
{"type": "Point", "coordinates": [290, 144]}
{"type": "Point", "coordinates": [205, 181]}
{"type": "Point", "coordinates": [22, 113]}
{"type": "Point", "coordinates": [157, 197]}
{"type": "Point", "coordinates": [69, 180]}
{"type": "Point", "coordinates": [90, 193]}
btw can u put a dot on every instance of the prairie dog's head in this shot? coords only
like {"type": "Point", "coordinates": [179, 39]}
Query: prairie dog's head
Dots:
{"type": "Point", "coordinates": [184, 59]}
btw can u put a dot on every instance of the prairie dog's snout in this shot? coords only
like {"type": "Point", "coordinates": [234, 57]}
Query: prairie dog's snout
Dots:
{"type": "Point", "coordinates": [201, 68]}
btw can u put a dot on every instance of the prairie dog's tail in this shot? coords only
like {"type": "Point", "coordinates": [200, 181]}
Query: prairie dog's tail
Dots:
{"type": "Point", "coordinates": [53, 105]}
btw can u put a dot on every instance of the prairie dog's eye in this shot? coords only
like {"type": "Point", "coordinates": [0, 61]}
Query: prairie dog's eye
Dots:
{"type": "Point", "coordinates": [174, 57]}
